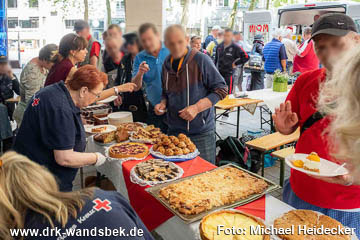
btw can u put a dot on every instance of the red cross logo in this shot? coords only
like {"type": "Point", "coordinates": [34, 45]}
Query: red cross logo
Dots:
{"type": "Point", "coordinates": [35, 102]}
{"type": "Point", "coordinates": [99, 204]}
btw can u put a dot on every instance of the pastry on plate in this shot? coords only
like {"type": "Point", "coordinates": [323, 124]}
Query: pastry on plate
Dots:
{"type": "Point", "coordinates": [312, 162]}
{"type": "Point", "coordinates": [98, 129]}
{"type": "Point", "coordinates": [156, 170]}
{"type": "Point", "coordinates": [229, 219]}
{"type": "Point", "coordinates": [309, 219]}
{"type": "Point", "coordinates": [128, 150]}
{"type": "Point", "coordinates": [105, 137]}
{"type": "Point", "coordinates": [121, 135]}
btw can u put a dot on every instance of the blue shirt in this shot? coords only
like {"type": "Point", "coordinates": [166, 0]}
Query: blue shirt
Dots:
{"type": "Point", "coordinates": [106, 210]}
{"type": "Point", "coordinates": [152, 78]}
{"type": "Point", "coordinates": [52, 122]}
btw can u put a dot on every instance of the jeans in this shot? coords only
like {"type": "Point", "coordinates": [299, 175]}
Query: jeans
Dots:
{"type": "Point", "coordinates": [257, 81]}
{"type": "Point", "coordinates": [205, 143]}
{"type": "Point", "coordinates": [5, 127]}
{"type": "Point", "coordinates": [238, 77]}
{"type": "Point", "coordinates": [289, 67]}
{"type": "Point", "coordinates": [157, 121]}
{"type": "Point", "coordinates": [348, 219]}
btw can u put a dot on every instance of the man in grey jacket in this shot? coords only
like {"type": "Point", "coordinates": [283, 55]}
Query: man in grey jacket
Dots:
{"type": "Point", "coordinates": [191, 87]}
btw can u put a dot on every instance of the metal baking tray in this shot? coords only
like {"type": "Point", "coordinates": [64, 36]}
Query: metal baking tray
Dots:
{"type": "Point", "coordinates": [154, 191]}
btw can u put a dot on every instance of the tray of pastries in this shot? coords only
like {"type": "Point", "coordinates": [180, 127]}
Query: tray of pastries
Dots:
{"type": "Point", "coordinates": [117, 136]}
{"type": "Point", "coordinates": [155, 171]}
{"type": "Point", "coordinates": [228, 186]}
{"type": "Point", "coordinates": [127, 151]}
{"type": "Point", "coordinates": [172, 148]}
{"type": "Point", "coordinates": [147, 134]}
{"type": "Point", "coordinates": [208, 228]}
{"type": "Point", "coordinates": [298, 220]}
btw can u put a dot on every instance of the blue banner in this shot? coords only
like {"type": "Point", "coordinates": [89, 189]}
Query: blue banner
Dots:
{"type": "Point", "coordinates": [3, 29]}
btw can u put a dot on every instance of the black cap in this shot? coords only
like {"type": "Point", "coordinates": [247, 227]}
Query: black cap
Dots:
{"type": "Point", "coordinates": [79, 25]}
{"type": "Point", "coordinates": [3, 59]}
{"type": "Point", "coordinates": [336, 24]}
{"type": "Point", "coordinates": [130, 38]}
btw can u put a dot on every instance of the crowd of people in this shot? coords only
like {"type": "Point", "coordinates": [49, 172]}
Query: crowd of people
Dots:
{"type": "Point", "coordinates": [174, 84]}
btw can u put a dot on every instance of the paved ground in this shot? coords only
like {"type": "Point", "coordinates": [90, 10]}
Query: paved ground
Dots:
{"type": "Point", "coordinates": [247, 122]}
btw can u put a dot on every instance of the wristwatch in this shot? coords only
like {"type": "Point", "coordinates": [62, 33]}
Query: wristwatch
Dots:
{"type": "Point", "coordinates": [116, 91]}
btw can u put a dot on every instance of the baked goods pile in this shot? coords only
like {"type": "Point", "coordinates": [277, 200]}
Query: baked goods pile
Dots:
{"type": "Point", "coordinates": [130, 126]}
{"type": "Point", "coordinates": [309, 219]}
{"type": "Point", "coordinates": [129, 150]}
{"type": "Point", "coordinates": [211, 189]}
{"type": "Point", "coordinates": [156, 170]}
{"type": "Point", "coordinates": [174, 146]}
{"type": "Point", "coordinates": [120, 135]}
{"type": "Point", "coordinates": [229, 218]}
{"type": "Point", "coordinates": [148, 134]}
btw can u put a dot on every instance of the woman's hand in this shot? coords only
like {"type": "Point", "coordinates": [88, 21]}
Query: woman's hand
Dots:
{"type": "Point", "coordinates": [127, 87]}
{"type": "Point", "coordinates": [160, 108]}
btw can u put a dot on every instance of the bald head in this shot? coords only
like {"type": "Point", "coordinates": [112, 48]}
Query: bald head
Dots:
{"type": "Point", "coordinates": [176, 40]}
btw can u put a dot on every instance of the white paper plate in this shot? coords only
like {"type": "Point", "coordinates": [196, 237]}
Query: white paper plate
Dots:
{"type": "Point", "coordinates": [109, 128]}
{"type": "Point", "coordinates": [108, 100]}
{"type": "Point", "coordinates": [327, 168]}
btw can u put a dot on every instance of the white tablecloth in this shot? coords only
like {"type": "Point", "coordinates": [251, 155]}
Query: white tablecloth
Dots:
{"type": "Point", "coordinates": [174, 228]}
{"type": "Point", "coordinates": [271, 99]}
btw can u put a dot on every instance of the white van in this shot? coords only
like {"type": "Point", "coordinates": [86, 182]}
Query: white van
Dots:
{"type": "Point", "coordinates": [296, 16]}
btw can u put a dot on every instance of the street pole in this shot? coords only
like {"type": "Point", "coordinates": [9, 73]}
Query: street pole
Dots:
{"type": "Point", "coordinates": [19, 53]}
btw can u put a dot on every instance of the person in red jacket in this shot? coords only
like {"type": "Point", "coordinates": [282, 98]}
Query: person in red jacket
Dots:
{"type": "Point", "coordinates": [337, 197]}
{"type": "Point", "coordinates": [306, 59]}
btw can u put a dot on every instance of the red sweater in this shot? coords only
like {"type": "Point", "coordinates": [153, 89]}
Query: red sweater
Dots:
{"type": "Point", "coordinates": [59, 72]}
{"type": "Point", "coordinates": [307, 61]}
{"type": "Point", "coordinates": [303, 97]}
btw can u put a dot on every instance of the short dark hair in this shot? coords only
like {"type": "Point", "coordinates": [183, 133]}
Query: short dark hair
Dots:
{"type": "Point", "coordinates": [146, 26]}
{"type": "Point", "coordinates": [236, 33]}
{"type": "Point", "coordinates": [228, 30]}
{"type": "Point", "coordinates": [48, 52]}
{"type": "Point", "coordinates": [112, 26]}
{"type": "Point", "coordinates": [104, 35]}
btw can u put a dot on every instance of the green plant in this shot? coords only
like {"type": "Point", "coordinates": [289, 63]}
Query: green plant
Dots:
{"type": "Point", "coordinates": [280, 77]}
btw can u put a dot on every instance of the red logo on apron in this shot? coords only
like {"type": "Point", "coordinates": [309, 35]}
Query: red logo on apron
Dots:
{"type": "Point", "coordinates": [35, 102]}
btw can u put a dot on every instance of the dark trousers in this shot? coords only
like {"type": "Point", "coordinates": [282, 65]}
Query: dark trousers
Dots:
{"type": "Point", "coordinates": [205, 143]}
{"type": "Point", "coordinates": [157, 121]}
{"type": "Point", "coordinates": [257, 81]}
{"type": "Point", "coordinates": [229, 82]}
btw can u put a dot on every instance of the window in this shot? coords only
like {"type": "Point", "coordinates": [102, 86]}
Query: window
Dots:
{"type": "Point", "coordinates": [223, 3]}
{"type": "Point", "coordinates": [13, 22]}
{"type": "Point", "coordinates": [53, 13]}
{"type": "Point", "coordinates": [33, 22]}
{"type": "Point", "coordinates": [209, 2]}
{"type": "Point", "coordinates": [33, 3]}
{"type": "Point", "coordinates": [69, 23]}
{"type": "Point", "coordinates": [12, 3]}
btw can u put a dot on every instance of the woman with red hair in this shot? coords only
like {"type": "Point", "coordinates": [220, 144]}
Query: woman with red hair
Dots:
{"type": "Point", "coordinates": [52, 133]}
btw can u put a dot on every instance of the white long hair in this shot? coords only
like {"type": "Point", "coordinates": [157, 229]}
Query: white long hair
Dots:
{"type": "Point", "coordinates": [339, 98]}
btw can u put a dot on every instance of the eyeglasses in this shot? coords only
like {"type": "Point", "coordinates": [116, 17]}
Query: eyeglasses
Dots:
{"type": "Point", "coordinates": [97, 95]}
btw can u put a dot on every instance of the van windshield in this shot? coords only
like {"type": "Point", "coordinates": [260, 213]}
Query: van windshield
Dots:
{"type": "Point", "coordinates": [305, 16]}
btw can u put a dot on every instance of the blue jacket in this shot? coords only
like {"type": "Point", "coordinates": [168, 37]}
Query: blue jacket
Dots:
{"type": "Point", "coordinates": [272, 56]}
{"type": "Point", "coordinates": [197, 78]}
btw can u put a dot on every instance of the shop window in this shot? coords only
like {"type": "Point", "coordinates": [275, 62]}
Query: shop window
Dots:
{"type": "Point", "coordinates": [33, 3]}
{"type": "Point", "coordinates": [13, 22]}
{"type": "Point", "coordinates": [12, 3]}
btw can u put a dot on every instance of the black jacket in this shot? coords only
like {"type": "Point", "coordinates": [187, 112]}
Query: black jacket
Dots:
{"type": "Point", "coordinates": [225, 57]}
{"type": "Point", "coordinates": [8, 87]}
{"type": "Point", "coordinates": [135, 101]}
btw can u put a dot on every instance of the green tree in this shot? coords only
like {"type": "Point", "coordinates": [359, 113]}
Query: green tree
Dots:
{"type": "Point", "coordinates": [108, 11]}
{"type": "Point", "coordinates": [252, 5]}
{"type": "Point", "coordinates": [233, 14]}
{"type": "Point", "coordinates": [185, 13]}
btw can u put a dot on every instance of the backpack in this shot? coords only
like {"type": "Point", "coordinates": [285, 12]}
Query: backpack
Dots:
{"type": "Point", "coordinates": [255, 59]}
{"type": "Point", "coordinates": [232, 150]}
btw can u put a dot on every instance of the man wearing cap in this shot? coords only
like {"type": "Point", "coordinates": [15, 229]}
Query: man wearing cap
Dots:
{"type": "Point", "coordinates": [93, 55]}
{"type": "Point", "coordinates": [212, 36]}
{"type": "Point", "coordinates": [336, 197]}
